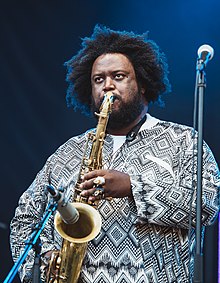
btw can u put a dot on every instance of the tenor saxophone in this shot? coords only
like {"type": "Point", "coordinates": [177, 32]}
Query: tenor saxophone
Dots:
{"type": "Point", "coordinates": [65, 264]}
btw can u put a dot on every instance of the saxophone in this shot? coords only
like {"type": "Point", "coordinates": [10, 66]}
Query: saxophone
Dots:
{"type": "Point", "coordinates": [65, 265]}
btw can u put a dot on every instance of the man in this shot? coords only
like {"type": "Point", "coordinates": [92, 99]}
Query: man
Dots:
{"type": "Point", "coordinates": [146, 235]}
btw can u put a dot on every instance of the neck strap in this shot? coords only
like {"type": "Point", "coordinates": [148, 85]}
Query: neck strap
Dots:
{"type": "Point", "coordinates": [131, 135]}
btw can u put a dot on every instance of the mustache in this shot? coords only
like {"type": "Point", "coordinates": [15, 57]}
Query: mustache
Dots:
{"type": "Point", "coordinates": [117, 97]}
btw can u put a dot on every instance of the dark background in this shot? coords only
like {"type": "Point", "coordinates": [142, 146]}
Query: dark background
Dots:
{"type": "Point", "coordinates": [37, 37]}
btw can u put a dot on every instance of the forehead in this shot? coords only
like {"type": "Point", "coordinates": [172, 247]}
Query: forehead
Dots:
{"type": "Point", "coordinates": [112, 62]}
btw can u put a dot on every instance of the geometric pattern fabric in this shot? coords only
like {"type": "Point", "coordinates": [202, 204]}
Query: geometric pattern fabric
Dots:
{"type": "Point", "coordinates": [144, 238]}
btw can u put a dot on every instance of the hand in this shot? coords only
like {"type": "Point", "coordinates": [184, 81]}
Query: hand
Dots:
{"type": "Point", "coordinates": [49, 265]}
{"type": "Point", "coordinates": [117, 184]}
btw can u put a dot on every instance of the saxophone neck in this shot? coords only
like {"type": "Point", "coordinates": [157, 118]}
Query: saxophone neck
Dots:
{"type": "Point", "coordinates": [94, 160]}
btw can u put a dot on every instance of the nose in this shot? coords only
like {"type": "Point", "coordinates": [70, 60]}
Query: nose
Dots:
{"type": "Point", "coordinates": [109, 84]}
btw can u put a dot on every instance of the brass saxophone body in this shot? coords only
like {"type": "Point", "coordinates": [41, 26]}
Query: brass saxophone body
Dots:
{"type": "Point", "coordinates": [65, 265]}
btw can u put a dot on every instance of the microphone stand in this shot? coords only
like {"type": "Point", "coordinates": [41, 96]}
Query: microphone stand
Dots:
{"type": "Point", "coordinates": [37, 262]}
{"type": "Point", "coordinates": [32, 242]}
{"type": "Point", "coordinates": [199, 100]}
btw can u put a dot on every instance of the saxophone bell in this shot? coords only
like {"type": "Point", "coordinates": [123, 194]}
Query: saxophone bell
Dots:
{"type": "Point", "coordinates": [68, 212]}
{"type": "Point", "coordinates": [85, 229]}
{"type": "Point", "coordinates": [65, 265]}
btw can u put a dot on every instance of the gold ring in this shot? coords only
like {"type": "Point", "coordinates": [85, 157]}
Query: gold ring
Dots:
{"type": "Point", "coordinates": [99, 181]}
{"type": "Point", "coordinates": [99, 191]}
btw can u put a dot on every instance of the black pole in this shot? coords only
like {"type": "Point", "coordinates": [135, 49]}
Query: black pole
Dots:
{"type": "Point", "coordinates": [37, 262]}
{"type": "Point", "coordinates": [198, 263]}
{"type": "Point", "coordinates": [205, 53]}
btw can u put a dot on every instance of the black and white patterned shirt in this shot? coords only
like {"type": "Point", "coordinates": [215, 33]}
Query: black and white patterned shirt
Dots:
{"type": "Point", "coordinates": [145, 238]}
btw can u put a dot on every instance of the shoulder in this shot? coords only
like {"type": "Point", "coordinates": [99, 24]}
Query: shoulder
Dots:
{"type": "Point", "coordinates": [169, 126]}
{"type": "Point", "coordinates": [176, 128]}
{"type": "Point", "coordinates": [172, 133]}
{"type": "Point", "coordinates": [71, 146]}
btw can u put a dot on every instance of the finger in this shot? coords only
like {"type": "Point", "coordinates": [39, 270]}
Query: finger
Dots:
{"type": "Point", "coordinates": [87, 184]}
{"type": "Point", "coordinates": [87, 193]}
{"type": "Point", "coordinates": [94, 174]}
{"type": "Point", "coordinates": [95, 199]}
{"type": "Point", "coordinates": [90, 175]}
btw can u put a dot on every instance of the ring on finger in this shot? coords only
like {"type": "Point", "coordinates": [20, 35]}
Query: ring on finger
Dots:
{"type": "Point", "coordinates": [99, 181]}
{"type": "Point", "coordinates": [99, 192]}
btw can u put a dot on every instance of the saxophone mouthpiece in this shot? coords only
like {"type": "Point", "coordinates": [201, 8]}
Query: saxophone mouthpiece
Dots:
{"type": "Point", "coordinates": [110, 95]}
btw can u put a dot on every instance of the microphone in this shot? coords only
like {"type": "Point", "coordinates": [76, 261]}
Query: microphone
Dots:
{"type": "Point", "coordinates": [205, 54]}
{"type": "Point", "coordinates": [68, 212]}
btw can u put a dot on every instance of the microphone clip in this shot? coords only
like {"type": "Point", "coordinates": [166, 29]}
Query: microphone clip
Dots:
{"type": "Point", "coordinates": [205, 54]}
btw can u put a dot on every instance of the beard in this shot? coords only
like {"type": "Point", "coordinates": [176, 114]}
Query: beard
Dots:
{"type": "Point", "coordinates": [125, 114]}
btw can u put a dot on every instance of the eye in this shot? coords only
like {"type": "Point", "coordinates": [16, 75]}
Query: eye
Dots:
{"type": "Point", "coordinates": [119, 76]}
{"type": "Point", "coordinates": [98, 80]}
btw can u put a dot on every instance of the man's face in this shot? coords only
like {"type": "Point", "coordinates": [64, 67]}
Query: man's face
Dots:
{"type": "Point", "coordinates": [114, 72]}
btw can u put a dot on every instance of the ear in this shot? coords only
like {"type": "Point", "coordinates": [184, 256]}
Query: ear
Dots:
{"type": "Point", "coordinates": [143, 90]}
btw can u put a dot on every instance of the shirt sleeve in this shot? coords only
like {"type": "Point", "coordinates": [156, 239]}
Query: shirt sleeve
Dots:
{"type": "Point", "coordinates": [60, 168]}
{"type": "Point", "coordinates": [31, 207]}
{"type": "Point", "coordinates": [165, 192]}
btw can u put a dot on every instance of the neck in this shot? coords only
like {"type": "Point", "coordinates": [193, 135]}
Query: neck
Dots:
{"type": "Point", "coordinates": [124, 131]}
